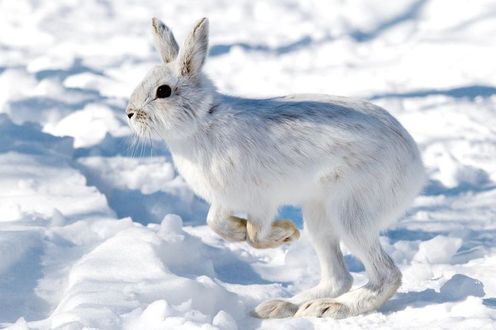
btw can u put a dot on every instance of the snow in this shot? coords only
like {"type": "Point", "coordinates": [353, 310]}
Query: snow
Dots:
{"type": "Point", "coordinates": [98, 230]}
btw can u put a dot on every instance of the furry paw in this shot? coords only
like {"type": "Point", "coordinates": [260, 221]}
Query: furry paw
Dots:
{"type": "Point", "coordinates": [282, 232]}
{"type": "Point", "coordinates": [232, 229]}
{"type": "Point", "coordinates": [325, 307]}
{"type": "Point", "coordinates": [275, 309]}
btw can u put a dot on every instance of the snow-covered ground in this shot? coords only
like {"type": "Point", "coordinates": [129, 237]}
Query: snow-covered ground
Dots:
{"type": "Point", "coordinates": [97, 231]}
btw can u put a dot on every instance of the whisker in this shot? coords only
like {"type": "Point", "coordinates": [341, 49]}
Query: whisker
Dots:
{"type": "Point", "coordinates": [135, 145]}
{"type": "Point", "coordinates": [151, 143]}
{"type": "Point", "coordinates": [141, 146]}
{"type": "Point", "coordinates": [131, 141]}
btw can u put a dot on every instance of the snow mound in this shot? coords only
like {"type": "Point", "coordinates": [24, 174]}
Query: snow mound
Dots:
{"type": "Point", "coordinates": [146, 276]}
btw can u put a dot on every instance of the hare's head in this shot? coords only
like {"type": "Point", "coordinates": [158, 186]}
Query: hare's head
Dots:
{"type": "Point", "coordinates": [174, 97]}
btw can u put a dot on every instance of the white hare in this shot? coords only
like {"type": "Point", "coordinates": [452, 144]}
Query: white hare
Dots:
{"type": "Point", "coordinates": [349, 164]}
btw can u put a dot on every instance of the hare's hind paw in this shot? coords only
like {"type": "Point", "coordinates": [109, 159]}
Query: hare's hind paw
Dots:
{"type": "Point", "coordinates": [324, 307]}
{"type": "Point", "coordinates": [282, 232]}
{"type": "Point", "coordinates": [232, 229]}
{"type": "Point", "coordinates": [275, 309]}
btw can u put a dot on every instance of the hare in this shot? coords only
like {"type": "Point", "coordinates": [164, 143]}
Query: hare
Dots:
{"type": "Point", "coordinates": [349, 164]}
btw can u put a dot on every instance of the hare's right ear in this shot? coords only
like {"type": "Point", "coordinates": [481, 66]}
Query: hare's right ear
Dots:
{"type": "Point", "coordinates": [192, 55]}
{"type": "Point", "coordinates": [164, 41]}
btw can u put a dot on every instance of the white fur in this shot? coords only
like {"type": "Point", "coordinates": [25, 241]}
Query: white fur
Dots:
{"type": "Point", "coordinates": [349, 164]}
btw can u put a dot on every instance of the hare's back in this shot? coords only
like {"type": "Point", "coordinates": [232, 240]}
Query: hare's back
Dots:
{"type": "Point", "coordinates": [333, 106]}
{"type": "Point", "coordinates": [314, 117]}
{"type": "Point", "coordinates": [317, 110]}
{"type": "Point", "coordinates": [337, 118]}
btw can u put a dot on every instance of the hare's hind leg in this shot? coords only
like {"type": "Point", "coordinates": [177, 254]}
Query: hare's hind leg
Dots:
{"type": "Point", "coordinates": [324, 236]}
{"type": "Point", "coordinates": [361, 237]}
{"type": "Point", "coordinates": [384, 280]}
{"type": "Point", "coordinates": [334, 277]}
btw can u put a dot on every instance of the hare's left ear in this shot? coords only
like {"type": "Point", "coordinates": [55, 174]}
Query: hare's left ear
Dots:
{"type": "Point", "coordinates": [164, 41]}
{"type": "Point", "coordinates": [192, 55]}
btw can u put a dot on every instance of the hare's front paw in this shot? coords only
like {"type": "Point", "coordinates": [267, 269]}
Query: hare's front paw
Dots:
{"type": "Point", "coordinates": [282, 232]}
{"type": "Point", "coordinates": [231, 229]}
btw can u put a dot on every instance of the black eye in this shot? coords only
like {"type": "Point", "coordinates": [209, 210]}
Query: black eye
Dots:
{"type": "Point", "coordinates": [164, 91]}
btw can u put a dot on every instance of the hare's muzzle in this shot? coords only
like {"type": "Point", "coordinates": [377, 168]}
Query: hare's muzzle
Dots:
{"type": "Point", "coordinates": [130, 112]}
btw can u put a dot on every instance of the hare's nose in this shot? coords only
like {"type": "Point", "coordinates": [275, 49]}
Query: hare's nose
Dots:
{"type": "Point", "coordinates": [130, 115]}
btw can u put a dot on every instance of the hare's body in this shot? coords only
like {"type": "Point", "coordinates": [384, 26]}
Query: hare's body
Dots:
{"type": "Point", "coordinates": [349, 164]}
{"type": "Point", "coordinates": [260, 154]}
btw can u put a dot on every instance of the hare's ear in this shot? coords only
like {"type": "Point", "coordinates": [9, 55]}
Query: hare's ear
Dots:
{"type": "Point", "coordinates": [164, 41]}
{"type": "Point", "coordinates": [192, 55]}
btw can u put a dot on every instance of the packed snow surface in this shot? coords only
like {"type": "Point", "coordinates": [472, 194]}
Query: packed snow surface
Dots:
{"type": "Point", "coordinates": [98, 231]}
